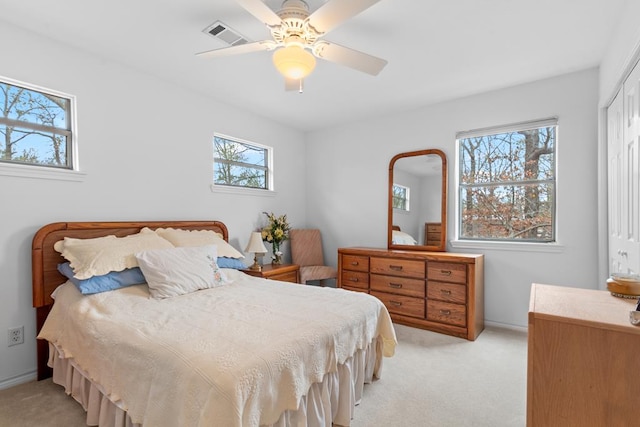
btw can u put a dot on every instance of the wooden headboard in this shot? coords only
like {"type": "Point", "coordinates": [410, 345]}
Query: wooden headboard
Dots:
{"type": "Point", "coordinates": [45, 260]}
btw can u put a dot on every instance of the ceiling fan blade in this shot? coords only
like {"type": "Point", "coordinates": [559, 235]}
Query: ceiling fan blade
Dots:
{"type": "Point", "coordinates": [335, 12]}
{"type": "Point", "coordinates": [293, 84]}
{"type": "Point", "coordinates": [239, 49]}
{"type": "Point", "coordinates": [261, 11]}
{"type": "Point", "coordinates": [349, 57]}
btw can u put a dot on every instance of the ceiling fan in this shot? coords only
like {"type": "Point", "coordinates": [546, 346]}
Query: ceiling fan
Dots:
{"type": "Point", "coordinates": [297, 38]}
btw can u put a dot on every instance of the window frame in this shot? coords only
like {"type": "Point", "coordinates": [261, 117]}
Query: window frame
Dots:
{"type": "Point", "coordinates": [69, 172]}
{"type": "Point", "coordinates": [241, 189]}
{"type": "Point", "coordinates": [508, 244]}
{"type": "Point", "coordinates": [406, 199]}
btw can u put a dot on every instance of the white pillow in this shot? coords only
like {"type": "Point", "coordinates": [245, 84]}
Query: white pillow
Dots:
{"type": "Point", "coordinates": [101, 255]}
{"type": "Point", "coordinates": [402, 238]}
{"type": "Point", "coordinates": [184, 238]}
{"type": "Point", "coordinates": [179, 271]}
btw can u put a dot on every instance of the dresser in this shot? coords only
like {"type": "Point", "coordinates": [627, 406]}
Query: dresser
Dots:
{"type": "Point", "coordinates": [438, 291]}
{"type": "Point", "coordinates": [282, 272]}
{"type": "Point", "coordinates": [583, 359]}
{"type": "Point", "coordinates": [432, 233]}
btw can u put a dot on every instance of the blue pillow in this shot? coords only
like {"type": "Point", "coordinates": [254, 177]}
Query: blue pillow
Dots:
{"type": "Point", "coordinates": [225, 262]}
{"type": "Point", "coordinates": [108, 282]}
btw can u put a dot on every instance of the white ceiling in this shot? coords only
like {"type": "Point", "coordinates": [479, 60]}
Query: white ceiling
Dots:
{"type": "Point", "coordinates": [437, 49]}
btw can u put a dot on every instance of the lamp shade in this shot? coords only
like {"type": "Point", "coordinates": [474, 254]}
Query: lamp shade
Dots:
{"type": "Point", "coordinates": [294, 62]}
{"type": "Point", "coordinates": [255, 244]}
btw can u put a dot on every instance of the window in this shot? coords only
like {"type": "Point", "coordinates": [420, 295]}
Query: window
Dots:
{"type": "Point", "coordinates": [35, 126]}
{"type": "Point", "coordinates": [239, 163]}
{"type": "Point", "coordinates": [507, 183]}
{"type": "Point", "coordinates": [400, 197]}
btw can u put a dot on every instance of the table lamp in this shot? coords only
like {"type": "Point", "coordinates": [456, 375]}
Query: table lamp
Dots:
{"type": "Point", "coordinates": [256, 246]}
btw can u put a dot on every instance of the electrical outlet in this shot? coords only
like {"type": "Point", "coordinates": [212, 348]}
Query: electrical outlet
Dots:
{"type": "Point", "coordinates": [16, 336]}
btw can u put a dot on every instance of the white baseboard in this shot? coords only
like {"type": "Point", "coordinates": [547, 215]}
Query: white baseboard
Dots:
{"type": "Point", "coordinates": [20, 379]}
{"type": "Point", "coordinates": [506, 326]}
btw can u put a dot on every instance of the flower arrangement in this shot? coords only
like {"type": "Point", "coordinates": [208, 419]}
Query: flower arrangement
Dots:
{"type": "Point", "coordinates": [276, 232]}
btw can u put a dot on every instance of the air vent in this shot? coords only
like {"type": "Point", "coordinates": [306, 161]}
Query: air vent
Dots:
{"type": "Point", "coordinates": [222, 32]}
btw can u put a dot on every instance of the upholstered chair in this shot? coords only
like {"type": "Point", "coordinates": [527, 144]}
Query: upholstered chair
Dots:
{"type": "Point", "coordinates": [306, 251]}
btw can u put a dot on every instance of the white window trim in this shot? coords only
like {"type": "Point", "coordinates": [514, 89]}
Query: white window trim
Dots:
{"type": "Point", "coordinates": [269, 191]}
{"type": "Point", "coordinates": [44, 172]}
{"type": "Point", "coordinates": [534, 124]}
{"type": "Point", "coordinates": [554, 247]}
{"type": "Point", "coordinates": [242, 190]}
{"type": "Point", "coordinates": [41, 172]}
{"type": "Point", "coordinates": [457, 243]}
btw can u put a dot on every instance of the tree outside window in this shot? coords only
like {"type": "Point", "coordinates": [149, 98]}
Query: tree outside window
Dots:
{"type": "Point", "coordinates": [507, 183]}
{"type": "Point", "coordinates": [35, 127]}
{"type": "Point", "coordinates": [240, 164]}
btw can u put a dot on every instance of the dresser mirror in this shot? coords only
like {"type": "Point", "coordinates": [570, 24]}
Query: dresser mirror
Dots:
{"type": "Point", "coordinates": [418, 201]}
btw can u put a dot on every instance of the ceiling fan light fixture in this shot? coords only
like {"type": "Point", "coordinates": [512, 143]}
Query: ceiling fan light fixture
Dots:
{"type": "Point", "coordinates": [294, 62]}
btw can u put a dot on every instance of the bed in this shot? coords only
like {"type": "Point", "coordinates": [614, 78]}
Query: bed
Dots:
{"type": "Point", "coordinates": [247, 352]}
{"type": "Point", "coordinates": [399, 237]}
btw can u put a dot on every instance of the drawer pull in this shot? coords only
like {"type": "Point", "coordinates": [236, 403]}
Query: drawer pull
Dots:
{"type": "Point", "coordinates": [445, 291]}
{"type": "Point", "coordinates": [395, 285]}
{"type": "Point", "coordinates": [353, 279]}
{"type": "Point", "coordinates": [395, 267]}
{"type": "Point", "coordinates": [446, 272]}
{"type": "Point", "coordinates": [354, 263]}
{"type": "Point", "coordinates": [395, 303]}
{"type": "Point", "coordinates": [445, 312]}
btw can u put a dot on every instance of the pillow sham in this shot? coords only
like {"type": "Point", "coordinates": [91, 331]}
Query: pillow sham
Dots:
{"type": "Point", "coordinates": [104, 283]}
{"type": "Point", "coordinates": [225, 262]}
{"type": "Point", "coordinates": [188, 238]}
{"type": "Point", "coordinates": [101, 255]}
{"type": "Point", "coordinates": [179, 271]}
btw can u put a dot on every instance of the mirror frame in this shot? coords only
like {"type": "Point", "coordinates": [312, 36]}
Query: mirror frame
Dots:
{"type": "Point", "coordinates": [442, 247]}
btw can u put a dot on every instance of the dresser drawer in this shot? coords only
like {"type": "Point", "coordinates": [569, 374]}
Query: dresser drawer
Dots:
{"type": "Point", "coordinates": [445, 312]}
{"type": "Point", "coordinates": [398, 267]}
{"type": "Point", "coordinates": [398, 285]}
{"type": "Point", "coordinates": [447, 272]}
{"type": "Point", "coordinates": [355, 263]}
{"type": "Point", "coordinates": [448, 292]}
{"type": "Point", "coordinates": [291, 276]}
{"type": "Point", "coordinates": [400, 304]}
{"type": "Point", "coordinates": [433, 228]}
{"type": "Point", "coordinates": [355, 279]}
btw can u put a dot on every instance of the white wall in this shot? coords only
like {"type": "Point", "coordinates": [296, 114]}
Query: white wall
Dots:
{"type": "Point", "coordinates": [349, 202]}
{"type": "Point", "coordinates": [623, 49]}
{"type": "Point", "coordinates": [146, 147]}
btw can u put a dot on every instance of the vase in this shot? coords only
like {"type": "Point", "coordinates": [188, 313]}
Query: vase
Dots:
{"type": "Point", "coordinates": [277, 254]}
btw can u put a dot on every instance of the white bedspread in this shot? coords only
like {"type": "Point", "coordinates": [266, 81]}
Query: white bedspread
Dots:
{"type": "Point", "coordinates": [238, 355]}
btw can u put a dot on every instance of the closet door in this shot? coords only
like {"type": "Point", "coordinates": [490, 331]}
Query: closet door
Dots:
{"type": "Point", "coordinates": [623, 147]}
{"type": "Point", "coordinates": [617, 263]}
{"type": "Point", "coordinates": [631, 176]}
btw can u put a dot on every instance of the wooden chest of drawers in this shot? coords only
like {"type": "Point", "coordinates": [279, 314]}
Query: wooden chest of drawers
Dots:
{"type": "Point", "coordinates": [432, 233]}
{"type": "Point", "coordinates": [439, 291]}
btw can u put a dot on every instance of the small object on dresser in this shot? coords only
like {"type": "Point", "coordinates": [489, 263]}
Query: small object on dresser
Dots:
{"type": "Point", "coordinates": [624, 285]}
{"type": "Point", "coordinates": [634, 316]}
{"type": "Point", "coordinates": [276, 232]}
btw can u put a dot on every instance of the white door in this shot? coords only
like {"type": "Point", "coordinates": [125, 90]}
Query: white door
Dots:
{"type": "Point", "coordinates": [617, 263]}
{"type": "Point", "coordinates": [631, 175]}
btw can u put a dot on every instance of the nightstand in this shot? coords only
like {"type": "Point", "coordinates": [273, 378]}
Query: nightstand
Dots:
{"type": "Point", "coordinates": [282, 272]}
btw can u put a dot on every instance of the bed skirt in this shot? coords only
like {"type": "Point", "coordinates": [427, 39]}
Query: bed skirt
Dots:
{"type": "Point", "coordinates": [330, 402]}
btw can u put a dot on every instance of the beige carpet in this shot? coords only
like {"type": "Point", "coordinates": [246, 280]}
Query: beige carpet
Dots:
{"type": "Point", "coordinates": [433, 380]}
